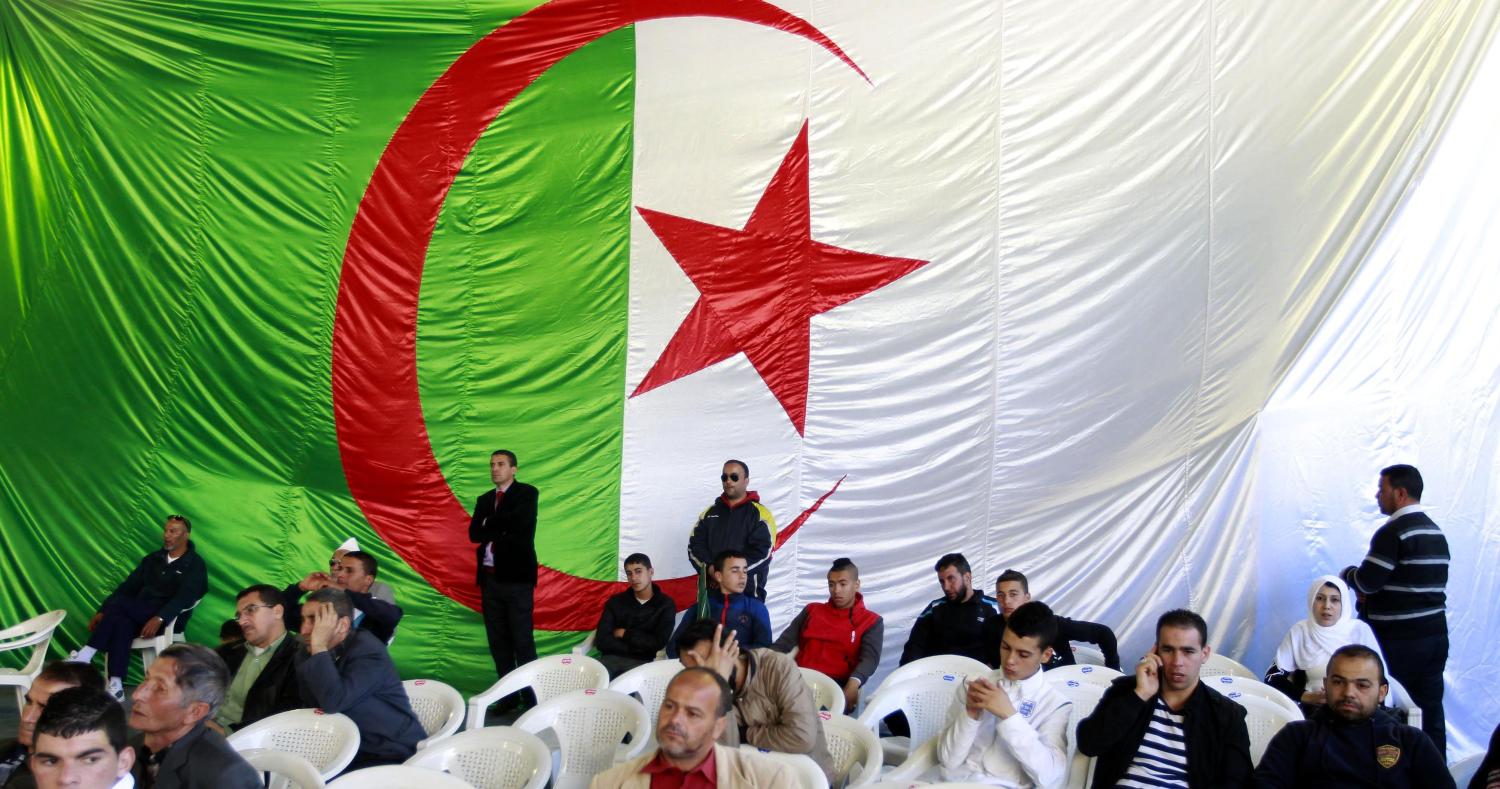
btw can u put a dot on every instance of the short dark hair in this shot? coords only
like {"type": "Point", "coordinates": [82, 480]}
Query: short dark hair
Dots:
{"type": "Point", "coordinates": [1359, 651]}
{"type": "Point", "coordinates": [335, 596]}
{"type": "Point", "coordinates": [1183, 618]}
{"type": "Point", "coordinates": [268, 594]}
{"type": "Point", "coordinates": [952, 560]}
{"type": "Point", "coordinates": [80, 710]}
{"type": "Point", "coordinates": [1034, 619]}
{"type": "Point", "coordinates": [745, 467]}
{"type": "Point", "coordinates": [231, 631]}
{"type": "Point", "coordinates": [78, 675]}
{"type": "Point", "coordinates": [372, 567]}
{"type": "Point", "coordinates": [507, 453]}
{"type": "Point", "coordinates": [200, 673]}
{"type": "Point", "coordinates": [842, 564]}
{"type": "Point", "coordinates": [1014, 576]}
{"type": "Point", "coordinates": [1404, 477]}
{"type": "Point", "coordinates": [726, 693]}
{"type": "Point", "coordinates": [726, 555]}
{"type": "Point", "coordinates": [696, 632]}
{"type": "Point", "coordinates": [187, 525]}
{"type": "Point", "coordinates": [637, 558]}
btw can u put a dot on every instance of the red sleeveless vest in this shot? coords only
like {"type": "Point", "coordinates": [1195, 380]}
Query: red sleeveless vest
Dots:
{"type": "Point", "coordinates": [830, 640]}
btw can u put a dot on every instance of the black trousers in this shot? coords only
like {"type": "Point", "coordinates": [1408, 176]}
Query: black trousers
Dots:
{"type": "Point", "coordinates": [507, 623]}
{"type": "Point", "coordinates": [1417, 663]}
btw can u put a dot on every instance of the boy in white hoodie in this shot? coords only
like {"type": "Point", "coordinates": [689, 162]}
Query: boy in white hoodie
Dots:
{"type": "Point", "coordinates": [1009, 727]}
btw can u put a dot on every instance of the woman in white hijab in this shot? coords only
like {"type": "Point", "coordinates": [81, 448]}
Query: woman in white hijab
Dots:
{"type": "Point", "coordinates": [1303, 655]}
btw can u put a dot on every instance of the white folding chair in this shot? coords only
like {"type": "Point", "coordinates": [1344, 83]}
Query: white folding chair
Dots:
{"type": "Point", "coordinates": [1093, 675]}
{"type": "Point", "coordinates": [1464, 769]}
{"type": "Point", "coordinates": [398, 776]}
{"type": "Point", "coordinates": [1087, 654]}
{"type": "Point", "coordinates": [547, 677]}
{"type": "Point", "coordinates": [282, 770]}
{"type": "Point", "coordinates": [589, 726]}
{"type": "Point", "coordinates": [649, 684]}
{"type": "Point", "coordinates": [170, 633]}
{"type": "Point", "coordinates": [1234, 687]}
{"type": "Point", "coordinates": [494, 757]}
{"type": "Point", "coordinates": [936, 665]}
{"type": "Point", "coordinates": [1084, 695]}
{"type": "Point", "coordinates": [35, 633]}
{"type": "Point", "coordinates": [808, 774]}
{"type": "Point", "coordinates": [1398, 697]}
{"type": "Point", "coordinates": [855, 749]}
{"type": "Point", "coordinates": [826, 692]}
{"type": "Point", "coordinates": [328, 742]}
{"type": "Point", "coordinates": [925, 700]}
{"type": "Point", "coordinates": [1264, 718]}
{"type": "Point", "coordinates": [1219, 665]}
{"type": "Point", "coordinates": [438, 706]}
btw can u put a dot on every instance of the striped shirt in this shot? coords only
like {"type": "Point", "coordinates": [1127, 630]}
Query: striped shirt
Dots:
{"type": "Point", "coordinates": [1404, 577]}
{"type": "Point", "coordinates": [1161, 759]}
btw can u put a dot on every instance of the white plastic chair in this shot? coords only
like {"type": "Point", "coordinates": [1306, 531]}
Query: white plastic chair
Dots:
{"type": "Point", "coordinates": [1464, 769]}
{"type": "Point", "coordinates": [282, 770]}
{"type": "Point", "coordinates": [649, 684]}
{"type": "Point", "coordinates": [398, 776]}
{"type": "Point", "coordinates": [1084, 695]}
{"type": "Point", "coordinates": [438, 706]}
{"type": "Point", "coordinates": [856, 752]}
{"type": "Point", "coordinates": [1264, 719]}
{"type": "Point", "coordinates": [547, 677]}
{"type": "Point", "coordinates": [1398, 697]}
{"type": "Point", "coordinates": [35, 633]}
{"type": "Point", "coordinates": [920, 766]}
{"type": "Point", "coordinates": [589, 726]}
{"type": "Point", "coordinates": [1234, 687]}
{"type": "Point", "coordinates": [328, 742]}
{"type": "Point", "coordinates": [826, 692]}
{"type": "Point", "coordinates": [925, 700]}
{"type": "Point", "coordinates": [1219, 665]}
{"type": "Point", "coordinates": [1093, 675]}
{"type": "Point", "coordinates": [494, 757]}
{"type": "Point", "coordinates": [167, 636]}
{"type": "Point", "coordinates": [809, 775]}
{"type": "Point", "coordinates": [587, 644]}
{"type": "Point", "coordinates": [936, 665]}
{"type": "Point", "coordinates": [1086, 654]}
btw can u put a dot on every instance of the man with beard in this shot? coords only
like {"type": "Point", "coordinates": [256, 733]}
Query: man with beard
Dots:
{"type": "Point", "coordinates": [1350, 741]}
{"type": "Point", "coordinates": [637, 622]}
{"type": "Point", "coordinates": [841, 638]}
{"type": "Point", "coordinates": [954, 623]}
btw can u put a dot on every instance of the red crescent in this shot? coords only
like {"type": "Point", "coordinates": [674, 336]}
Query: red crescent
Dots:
{"type": "Point", "coordinates": [377, 409]}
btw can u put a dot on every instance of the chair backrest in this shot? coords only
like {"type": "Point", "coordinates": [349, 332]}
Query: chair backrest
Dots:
{"type": "Point", "coordinates": [935, 665]}
{"type": "Point", "coordinates": [1218, 665]}
{"type": "Point", "coordinates": [35, 632]}
{"type": "Point", "coordinates": [438, 706]}
{"type": "Point", "coordinates": [1398, 697]}
{"type": "Point", "coordinates": [329, 742]}
{"type": "Point", "coordinates": [826, 692]}
{"type": "Point", "coordinates": [494, 757]}
{"type": "Point", "coordinates": [1093, 675]}
{"type": "Point", "coordinates": [1087, 654]}
{"type": "Point", "coordinates": [1264, 718]}
{"type": "Point", "coordinates": [285, 770]}
{"type": "Point", "coordinates": [1464, 769]}
{"type": "Point", "coordinates": [649, 684]}
{"type": "Point", "coordinates": [925, 700]}
{"type": "Point", "coordinates": [547, 677]}
{"type": "Point", "coordinates": [1234, 687]}
{"type": "Point", "coordinates": [398, 776]}
{"type": "Point", "coordinates": [808, 774]}
{"type": "Point", "coordinates": [857, 755]}
{"type": "Point", "coordinates": [1084, 695]}
{"type": "Point", "coordinates": [589, 726]}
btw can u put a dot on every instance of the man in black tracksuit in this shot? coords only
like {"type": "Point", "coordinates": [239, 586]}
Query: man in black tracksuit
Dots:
{"type": "Point", "coordinates": [1012, 591]}
{"type": "Point", "coordinates": [637, 622]}
{"type": "Point", "coordinates": [1350, 741]}
{"type": "Point", "coordinates": [953, 624]}
{"type": "Point", "coordinates": [736, 521]}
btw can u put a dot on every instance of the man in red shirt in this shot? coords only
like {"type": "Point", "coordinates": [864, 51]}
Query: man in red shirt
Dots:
{"type": "Point", "coordinates": [840, 638]}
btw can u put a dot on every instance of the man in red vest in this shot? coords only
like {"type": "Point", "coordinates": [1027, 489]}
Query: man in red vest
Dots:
{"type": "Point", "coordinates": [840, 638]}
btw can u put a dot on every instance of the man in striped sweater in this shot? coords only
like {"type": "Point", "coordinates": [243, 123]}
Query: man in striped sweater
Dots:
{"type": "Point", "coordinates": [1401, 585]}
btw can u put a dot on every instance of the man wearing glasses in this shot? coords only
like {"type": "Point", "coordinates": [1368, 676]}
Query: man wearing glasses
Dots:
{"type": "Point", "coordinates": [264, 675]}
{"type": "Point", "coordinates": [736, 521]}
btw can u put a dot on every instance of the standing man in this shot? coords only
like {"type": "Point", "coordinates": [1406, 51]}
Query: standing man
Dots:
{"type": "Point", "coordinates": [162, 586]}
{"type": "Point", "coordinates": [1012, 591]}
{"type": "Point", "coordinates": [262, 673]}
{"type": "Point", "coordinates": [953, 624]}
{"type": "Point", "coordinates": [81, 743]}
{"type": "Point", "coordinates": [1402, 585]}
{"type": "Point", "coordinates": [171, 708]}
{"type": "Point", "coordinates": [637, 622]}
{"type": "Point", "coordinates": [503, 530]}
{"type": "Point", "coordinates": [55, 677]}
{"type": "Point", "coordinates": [736, 521]}
{"type": "Point", "coordinates": [840, 638]}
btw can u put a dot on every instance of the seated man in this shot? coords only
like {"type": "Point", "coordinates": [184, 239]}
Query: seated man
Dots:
{"type": "Point", "coordinates": [355, 576]}
{"type": "Point", "coordinates": [954, 623]}
{"type": "Point", "coordinates": [171, 708]}
{"type": "Point", "coordinates": [1350, 741]}
{"type": "Point", "coordinates": [1161, 726]}
{"type": "Point", "coordinates": [840, 638]}
{"type": "Point", "coordinates": [264, 681]}
{"type": "Point", "coordinates": [692, 718]}
{"type": "Point", "coordinates": [1012, 591]}
{"type": "Point", "coordinates": [727, 604]}
{"type": "Point", "coordinates": [380, 590]}
{"type": "Point", "coordinates": [56, 676]}
{"type": "Point", "coordinates": [773, 707]}
{"type": "Point", "coordinates": [347, 670]}
{"type": "Point", "coordinates": [163, 585]}
{"type": "Point", "coordinates": [637, 622]}
{"type": "Point", "coordinates": [81, 742]}
{"type": "Point", "coordinates": [1011, 728]}
{"type": "Point", "coordinates": [1306, 648]}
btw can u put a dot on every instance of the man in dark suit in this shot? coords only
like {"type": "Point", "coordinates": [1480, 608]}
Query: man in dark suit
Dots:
{"type": "Point", "coordinates": [263, 680]}
{"type": "Point", "coordinates": [171, 708]}
{"type": "Point", "coordinates": [504, 531]}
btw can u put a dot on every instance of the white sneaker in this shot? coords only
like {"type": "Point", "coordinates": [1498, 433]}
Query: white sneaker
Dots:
{"type": "Point", "coordinates": [73, 658]}
{"type": "Point", "coordinates": [116, 688]}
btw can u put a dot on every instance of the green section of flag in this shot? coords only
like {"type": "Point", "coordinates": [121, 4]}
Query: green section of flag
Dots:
{"type": "Point", "coordinates": [179, 183]}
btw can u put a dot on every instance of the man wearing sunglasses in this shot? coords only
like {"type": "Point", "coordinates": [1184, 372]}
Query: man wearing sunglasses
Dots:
{"type": "Point", "coordinates": [264, 678]}
{"type": "Point", "coordinates": [736, 521]}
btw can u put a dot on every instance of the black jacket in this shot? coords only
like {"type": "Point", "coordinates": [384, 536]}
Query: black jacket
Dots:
{"type": "Point", "coordinates": [647, 625]}
{"type": "Point", "coordinates": [275, 690]}
{"type": "Point", "coordinates": [380, 617]}
{"type": "Point", "coordinates": [1068, 631]}
{"type": "Point", "coordinates": [358, 679]}
{"type": "Point", "coordinates": [15, 771]}
{"type": "Point", "coordinates": [1213, 728]}
{"type": "Point", "coordinates": [945, 628]}
{"type": "Point", "coordinates": [171, 586]}
{"type": "Point", "coordinates": [201, 758]}
{"type": "Point", "coordinates": [1328, 753]}
{"type": "Point", "coordinates": [513, 531]}
{"type": "Point", "coordinates": [747, 527]}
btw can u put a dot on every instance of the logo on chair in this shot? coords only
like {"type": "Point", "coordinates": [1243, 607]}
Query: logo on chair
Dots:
{"type": "Point", "coordinates": [1226, 680]}
{"type": "Point", "coordinates": [1087, 670]}
{"type": "Point", "coordinates": [589, 691]}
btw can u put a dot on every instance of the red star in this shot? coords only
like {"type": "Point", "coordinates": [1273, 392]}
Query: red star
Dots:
{"type": "Point", "coordinates": [759, 287]}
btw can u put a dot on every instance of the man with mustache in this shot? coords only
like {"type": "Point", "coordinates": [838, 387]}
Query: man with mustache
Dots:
{"type": "Point", "coordinates": [953, 624]}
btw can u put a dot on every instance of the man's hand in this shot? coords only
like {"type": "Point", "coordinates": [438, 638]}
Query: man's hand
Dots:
{"type": "Point", "coordinates": [325, 621]}
{"type": "Point", "coordinates": [987, 696]}
{"type": "Point", "coordinates": [1317, 698]}
{"type": "Point", "coordinates": [725, 654]}
{"type": "Point", "coordinates": [851, 696]}
{"type": "Point", "coordinates": [314, 581]}
{"type": "Point", "coordinates": [1148, 676]}
{"type": "Point", "coordinates": [151, 628]}
{"type": "Point", "coordinates": [619, 632]}
{"type": "Point", "coordinates": [94, 622]}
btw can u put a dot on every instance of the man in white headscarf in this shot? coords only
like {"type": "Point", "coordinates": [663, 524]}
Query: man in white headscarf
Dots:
{"type": "Point", "coordinates": [1303, 655]}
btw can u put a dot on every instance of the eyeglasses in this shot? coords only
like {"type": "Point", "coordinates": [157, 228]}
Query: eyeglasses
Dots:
{"type": "Point", "coordinates": [249, 610]}
{"type": "Point", "coordinates": [729, 477]}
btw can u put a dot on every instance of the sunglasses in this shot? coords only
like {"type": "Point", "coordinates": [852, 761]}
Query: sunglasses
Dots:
{"type": "Point", "coordinates": [729, 477]}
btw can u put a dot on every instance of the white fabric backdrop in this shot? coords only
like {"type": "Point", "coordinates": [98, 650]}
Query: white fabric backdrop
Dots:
{"type": "Point", "coordinates": [1198, 270]}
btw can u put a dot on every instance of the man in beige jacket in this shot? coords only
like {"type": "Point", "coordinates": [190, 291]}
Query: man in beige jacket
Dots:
{"type": "Point", "coordinates": [693, 715]}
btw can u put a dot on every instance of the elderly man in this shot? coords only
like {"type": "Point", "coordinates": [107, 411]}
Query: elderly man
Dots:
{"type": "Point", "coordinates": [171, 708]}
{"type": "Point", "coordinates": [163, 585]}
{"type": "Point", "coordinates": [693, 717]}
{"type": "Point", "coordinates": [263, 678]}
{"type": "Point", "coordinates": [347, 670]}
{"type": "Point", "coordinates": [54, 677]}
{"type": "Point", "coordinates": [81, 743]}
